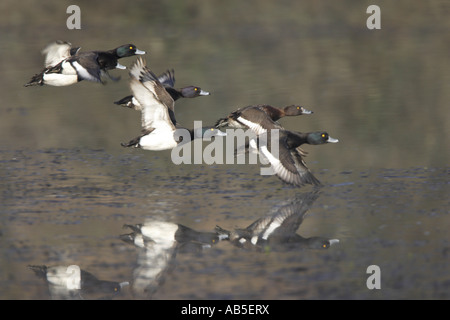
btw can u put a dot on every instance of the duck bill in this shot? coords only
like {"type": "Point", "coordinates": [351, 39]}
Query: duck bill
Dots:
{"type": "Point", "coordinates": [332, 140]}
{"type": "Point", "coordinates": [333, 241]}
{"type": "Point", "coordinates": [306, 111]}
{"type": "Point", "coordinates": [139, 51]}
{"type": "Point", "coordinates": [204, 93]}
{"type": "Point", "coordinates": [119, 66]}
{"type": "Point", "coordinates": [221, 133]}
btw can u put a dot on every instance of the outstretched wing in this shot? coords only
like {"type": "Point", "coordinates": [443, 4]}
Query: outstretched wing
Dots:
{"type": "Point", "coordinates": [167, 79]}
{"type": "Point", "coordinates": [154, 99]}
{"type": "Point", "coordinates": [288, 165]}
{"type": "Point", "coordinates": [56, 52]}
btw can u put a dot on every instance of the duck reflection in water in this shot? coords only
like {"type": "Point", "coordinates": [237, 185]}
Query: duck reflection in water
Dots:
{"type": "Point", "coordinates": [158, 243]}
{"type": "Point", "coordinates": [73, 283]}
{"type": "Point", "coordinates": [278, 231]}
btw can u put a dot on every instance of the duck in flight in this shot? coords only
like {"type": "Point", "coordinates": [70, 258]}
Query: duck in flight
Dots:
{"type": "Point", "coordinates": [260, 117]}
{"type": "Point", "coordinates": [286, 157]}
{"type": "Point", "coordinates": [159, 126]}
{"type": "Point", "coordinates": [65, 65]}
{"type": "Point", "coordinates": [167, 79]}
{"type": "Point", "coordinates": [287, 161]}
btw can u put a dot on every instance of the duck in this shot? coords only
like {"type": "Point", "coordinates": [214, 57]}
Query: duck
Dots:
{"type": "Point", "coordinates": [65, 65]}
{"type": "Point", "coordinates": [277, 231]}
{"type": "Point", "coordinates": [159, 126]}
{"type": "Point", "coordinates": [157, 248]}
{"type": "Point", "coordinates": [72, 282]}
{"type": "Point", "coordinates": [167, 79]}
{"type": "Point", "coordinates": [157, 243]}
{"type": "Point", "coordinates": [288, 162]}
{"type": "Point", "coordinates": [167, 234]}
{"type": "Point", "coordinates": [180, 137]}
{"type": "Point", "coordinates": [260, 117]}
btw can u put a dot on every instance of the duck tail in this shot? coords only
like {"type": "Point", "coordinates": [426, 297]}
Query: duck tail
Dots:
{"type": "Point", "coordinates": [125, 102]}
{"type": "Point", "coordinates": [132, 143]}
{"type": "Point", "coordinates": [127, 238]}
{"type": "Point", "coordinates": [36, 80]}
{"type": "Point", "coordinates": [223, 122]}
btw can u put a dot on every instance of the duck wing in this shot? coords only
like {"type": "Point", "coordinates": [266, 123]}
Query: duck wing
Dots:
{"type": "Point", "coordinates": [303, 173]}
{"type": "Point", "coordinates": [58, 51]}
{"type": "Point", "coordinates": [157, 104]}
{"type": "Point", "coordinates": [86, 66]}
{"type": "Point", "coordinates": [167, 79]}
{"type": "Point", "coordinates": [289, 165]}
{"type": "Point", "coordinates": [252, 117]}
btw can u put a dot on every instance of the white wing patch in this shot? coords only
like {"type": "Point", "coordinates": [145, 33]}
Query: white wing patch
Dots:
{"type": "Point", "coordinates": [279, 169]}
{"type": "Point", "coordinates": [158, 139]}
{"type": "Point", "coordinates": [255, 127]}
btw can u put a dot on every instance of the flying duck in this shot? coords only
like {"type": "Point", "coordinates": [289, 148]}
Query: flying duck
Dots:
{"type": "Point", "coordinates": [65, 65]}
{"type": "Point", "coordinates": [167, 79]}
{"type": "Point", "coordinates": [259, 117]}
{"type": "Point", "coordinates": [287, 160]}
{"type": "Point", "coordinates": [159, 126]}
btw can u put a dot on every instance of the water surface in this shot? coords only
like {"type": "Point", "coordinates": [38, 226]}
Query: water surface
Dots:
{"type": "Point", "coordinates": [68, 187]}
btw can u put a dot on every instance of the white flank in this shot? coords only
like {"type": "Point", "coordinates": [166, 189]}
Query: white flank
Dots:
{"type": "Point", "coordinates": [83, 73]}
{"type": "Point", "coordinates": [59, 80]}
{"type": "Point", "coordinates": [158, 139]}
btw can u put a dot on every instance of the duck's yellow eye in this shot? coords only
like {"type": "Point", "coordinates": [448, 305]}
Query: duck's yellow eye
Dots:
{"type": "Point", "coordinates": [195, 89]}
{"type": "Point", "coordinates": [298, 108]}
{"type": "Point", "coordinates": [323, 135]}
{"type": "Point", "coordinates": [324, 246]}
{"type": "Point", "coordinates": [131, 47]}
